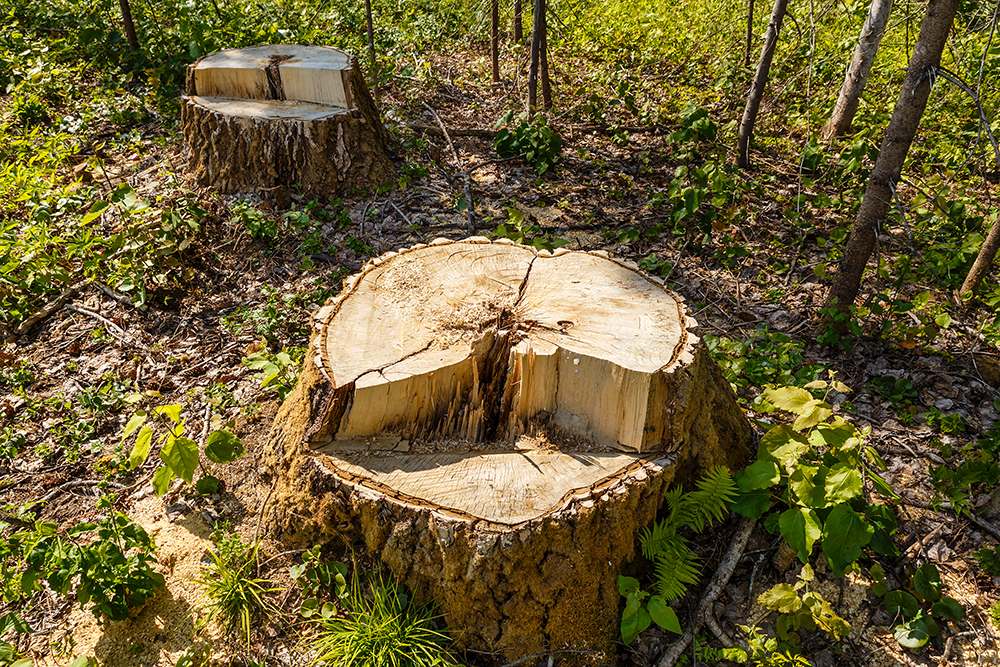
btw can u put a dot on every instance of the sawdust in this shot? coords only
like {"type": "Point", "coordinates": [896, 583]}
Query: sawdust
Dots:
{"type": "Point", "coordinates": [168, 625]}
{"type": "Point", "coordinates": [467, 321]}
{"type": "Point", "coordinates": [403, 277]}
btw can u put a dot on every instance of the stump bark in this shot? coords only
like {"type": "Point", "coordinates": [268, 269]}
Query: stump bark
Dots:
{"type": "Point", "coordinates": [497, 424]}
{"type": "Point", "coordinates": [283, 116]}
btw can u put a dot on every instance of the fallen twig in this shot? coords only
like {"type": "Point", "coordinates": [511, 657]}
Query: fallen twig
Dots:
{"type": "Point", "coordinates": [120, 298]}
{"type": "Point", "coordinates": [469, 206]}
{"type": "Point", "coordinates": [71, 485]}
{"type": "Point", "coordinates": [715, 586]}
{"type": "Point", "coordinates": [113, 328]}
{"type": "Point", "coordinates": [49, 308]}
{"type": "Point", "coordinates": [922, 504]}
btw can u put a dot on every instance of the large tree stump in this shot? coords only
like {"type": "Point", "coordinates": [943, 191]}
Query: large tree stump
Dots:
{"type": "Point", "coordinates": [283, 116]}
{"type": "Point", "coordinates": [497, 424]}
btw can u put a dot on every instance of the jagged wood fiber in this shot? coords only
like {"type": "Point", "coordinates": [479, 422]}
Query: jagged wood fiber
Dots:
{"type": "Point", "coordinates": [514, 582]}
{"type": "Point", "coordinates": [244, 133]}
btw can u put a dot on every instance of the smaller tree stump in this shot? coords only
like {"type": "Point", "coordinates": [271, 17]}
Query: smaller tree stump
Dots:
{"type": "Point", "coordinates": [498, 424]}
{"type": "Point", "coordinates": [280, 116]}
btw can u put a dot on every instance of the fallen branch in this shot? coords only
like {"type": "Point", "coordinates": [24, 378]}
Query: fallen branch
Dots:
{"type": "Point", "coordinates": [985, 525]}
{"type": "Point", "coordinates": [715, 586]}
{"type": "Point", "coordinates": [49, 308]}
{"type": "Point", "coordinates": [51, 495]}
{"type": "Point", "coordinates": [113, 328]}
{"type": "Point", "coordinates": [469, 207]}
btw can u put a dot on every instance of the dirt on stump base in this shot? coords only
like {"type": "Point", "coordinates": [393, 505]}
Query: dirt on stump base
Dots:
{"type": "Point", "coordinates": [497, 424]}
{"type": "Point", "coordinates": [269, 117]}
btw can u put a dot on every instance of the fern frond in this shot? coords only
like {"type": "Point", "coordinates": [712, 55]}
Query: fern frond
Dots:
{"type": "Point", "coordinates": [716, 492]}
{"type": "Point", "coordinates": [676, 569]}
{"type": "Point", "coordinates": [656, 539]}
{"type": "Point", "coordinates": [682, 508]}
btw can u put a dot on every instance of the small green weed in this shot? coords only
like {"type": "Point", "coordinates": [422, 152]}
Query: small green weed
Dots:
{"type": "Point", "coordinates": [385, 628]}
{"type": "Point", "coordinates": [808, 610]}
{"type": "Point", "coordinates": [530, 139]}
{"type": "Point", "coordinates": [278, 372]}
{"type": "Point", "coordinates": [989, 560]}
{"type": "Point", "coordinates": [764, 651]}
{"type": "Point", "coordinates": [767, 357]}
{"type": "Point", "coordinates": [920, 614]}
{"type": "Point", "coordinates": [518, 230]}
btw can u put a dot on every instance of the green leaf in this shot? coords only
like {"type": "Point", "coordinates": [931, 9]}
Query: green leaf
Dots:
{"type": "Point", "coordinates": [81, 661]}
{"type": "Point", "coordinates": [882, 486]}
{"type": "Point", "coordinates": [949, 609]}
{"type": "Point", "coordinates": [782, 598]}
{"type": "Point", "coordinates": [207, 485]}
{"type": "Point", "coordinates": [789, 399]}
{"type": "Point", "coordinates": [910, 635]}
{"type": "Point", "coordinates": [801, 528]}
{"type": "Point", "coordinates": [80, 529]}
{"type": "Point", "coordinates": [161, 480]}
{"type": "Point", "coordinates": [927, 582]}
{"type": "Point", "coordinates": [734, 655]}
{"type": "Point", "coordinates": [878, 580]}
{"type": "Point", "coordinates": [842, 484]}
{"type": "Point", "coordinates": [901, 603]}
{"type": "Point", "coordinates": [759, 475]}
{"type": "Point", "coordinates": [754, 504]}
{"type": "Point", "coordinates": [223, 447]}
{"type": "Point", "coordinates": [95, 211]}
{"type": "Point", "coordinates": [181, 454]}
{"type": "Point", "coordinates": [633, 624]}
{"type": "Point", "coordinates": [12, 622]}
{"type": "Point", "coordinates": [813, 413]}
{"type": "Point", "coordinates": [172, 412]}
{"type": "Point", "coordinates": [663, 615]}
{"type": "Point", "coordinates": [627, 585]}
{"type": "Point", "coordinates": [141, 448]}
{"type": "Point", "coordinates": [845, 533]}
{"type": "Point", "coordinates": [783, 444]}
{"type": "Point", "coordinates": [23, 662]}
{"type": "Point", "coordinates": [137, 420]}
{"type": "Point", "coordinates": [802, 484]}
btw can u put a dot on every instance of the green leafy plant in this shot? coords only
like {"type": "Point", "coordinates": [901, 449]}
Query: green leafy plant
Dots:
{"type": "Point", "coordinates": [766, 357]}
{"type": "Point", "coordinates": [382, 629]}
{"type": "Point", "coordinates": [675, 566]}
{"type": "Point", "coordinates": [530, 139]}
{"type": "Point", "coordinates": [277, 372]}
{"type": "Point", "coordinates": [11, 622]}
{"type": "Point", "coordinates": [764, 651]}
{"type": "Point", "coordinates": [112, 574]}
{"type": "Point", "coordinates": [922, 612]}
{"type": "Point", "coordinates": [899, 391]}
{"type": "Point", "coordinates": [942, 423]}
{"type": "Point", "coordinates": [809, 477]}
{"type": "Point", "coordinates": [989, 560]}
{"type": "Point", "coordinates": [802, 610]}
{"type": "Point", "coordinates": [256, 222]}
{"type": "Point", "coordinates": [179, 456]}
{"type": "Point", "coordinates": [234, 594]}
{"type": "Point", "coordinates": [995, 614]}
{"type": "Point", "coordinates": [319, 579]}
{"type": "Point", "coordinates": [518, 230]}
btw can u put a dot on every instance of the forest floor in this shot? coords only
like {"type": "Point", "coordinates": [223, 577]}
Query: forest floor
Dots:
{"type": "Point", "coordinates": [243, 295]}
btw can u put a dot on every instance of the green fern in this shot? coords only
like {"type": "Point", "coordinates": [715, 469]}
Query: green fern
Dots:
{"type": "Point", "coordinates": [676, 566]}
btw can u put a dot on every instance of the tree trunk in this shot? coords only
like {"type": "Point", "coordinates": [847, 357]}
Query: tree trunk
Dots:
{"type": "Point", "coordinates": [495, 39]}
{"type": "Point", "coordinates": [372, 60]}
{"type": "Point", "coordinates": [760, 82]}
{"type": "Point", "coordinates": [518, 28]}
{"type": "Point", "coordinates": [857, 72]}
{"type": "Point", "coordinates": [895, 145]}
{"type": "Point", "coordinates": [746, 57]}
{"type": "Point", "coordinates": [497, 424]}
{"type": "Point", "coordinates": [984, 260]}
{"type": "Point", "coordinates": [280, 117]}
{"type": "Point", "coordinates": [543, 58]}
{"type": "Point", "coordinates": [538, 22]}
{"type": "Point", "coordinates": [133, 40]}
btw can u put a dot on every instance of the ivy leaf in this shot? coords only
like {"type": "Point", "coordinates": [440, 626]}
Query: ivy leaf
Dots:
{"type": "Point", "coordinates": [911, 635]}
{"type": "Point", "coordinates": [181, 454]}
{"type": "Point", "coordinates": [842, 483]}
{"type": "Point", "coordinates": [789, 399]}
{"type": "Point", "coordinates": [949, 609]}
{"type": "Point", "coordinates": [223, 447]}
{"type": "Point", "coordinates": [663, 615]}
{"type": "Point", "coordinates": [141, 448]}
{"type": "Point", "coordinates": [803, 487]}
{"type": "Point", "coordinates": [901, 602]}
{"type": "Point", "coordinates": [782, 598]}
{"type": "Point", "coordinates": [801, 528]}
{"type": "Point", "coordinates": [845, 533]}
{"type": "Point", "coordinates": [759, 475]}
{"type": "Point", "coordinates": [927, 582]}
{"type": "Point", "coordinates": [161, 480]}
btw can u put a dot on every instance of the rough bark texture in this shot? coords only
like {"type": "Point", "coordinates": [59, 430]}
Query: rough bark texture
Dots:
{"type": "Point", "coordinates": [133, 40]}
{"type": "Point", "coordinates": [518, 28]}
{"type": "Point", "coordinates": [896, 144]}
{"type": "Point", "coordinates": [240, 145]}
{"type": "Point", "coordinates": [857, 72]}
{"type": "Point", "coordinates": [495, 39]}
{"type": "Point", "coordinates": [760, 82]}
{"type": "Point", "coordinates": [545, 583]}
{"type": "Point", "coordinates": [538, 24]}
{"type": "Point", "coordinates": [984, 260]}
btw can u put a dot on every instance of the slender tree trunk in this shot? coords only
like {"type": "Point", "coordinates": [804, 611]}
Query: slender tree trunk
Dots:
{"type": "Point", "coordinates": [372, 62]}
{"type": "Point", "coordinates": [536, 42]}
{"type": "Point", "coordinates": [984, 260]}
{"type": "Point", "coordinates": [895, 145]}
{"type": "Point", "coordinates": [495, 39]}
{"type": "Point", "coordinates": [746, 58]}
{"type": "Point", "coordinates": [857, 72]}
{"type": "Point", "coordinates": [133, 40]}
{"type": "Point", "coordinates": [760, 82]}
{"type": "Point", "coordinates": [543, 57]}
{"type": "Point", "coordinates": [518, 28]}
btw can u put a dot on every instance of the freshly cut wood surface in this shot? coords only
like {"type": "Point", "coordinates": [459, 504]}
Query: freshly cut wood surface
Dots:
{"type": "Point", "coordinates": [267, 109]}
{"type": "Point", "coordinates": [480, 341]}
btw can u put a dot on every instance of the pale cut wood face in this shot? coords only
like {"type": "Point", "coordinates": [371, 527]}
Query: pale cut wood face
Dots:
{"type": "Point", "coordinates": [314, 75]}
{"type": "Point", "coordinates": [480, 342]}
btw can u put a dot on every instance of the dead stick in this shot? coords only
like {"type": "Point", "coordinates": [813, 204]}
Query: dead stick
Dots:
{"type": "Point", "coordinates": [715, 586]}
{"type": "Point", "coordinates": [988, 527]}
{"type": "Point", "coordinates": [49, 308]}
{"type": "Point", "coordinates": [113, 328]}
{"type": "Point", "coordinates": [469, 206]}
